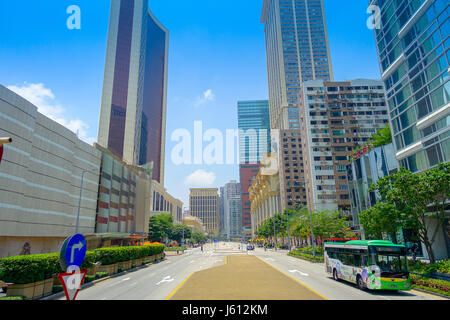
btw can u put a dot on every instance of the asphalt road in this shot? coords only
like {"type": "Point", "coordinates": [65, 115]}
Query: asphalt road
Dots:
{"type": "Point", "coordinates": [315, 277]}
{"type": "Point", "coordinates": [165, 279]}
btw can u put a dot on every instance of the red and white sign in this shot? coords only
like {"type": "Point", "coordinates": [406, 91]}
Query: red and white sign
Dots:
{"type": "Point", "coordinates": [72, 283]}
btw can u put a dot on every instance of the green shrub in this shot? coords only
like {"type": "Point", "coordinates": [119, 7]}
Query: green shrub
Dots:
{"type": "Point", "coordinates": [306, 256]}
{"type": "Point", "coordinates": [101, 275]}
{"type": "Point", "coordinates": [58, 288]}
{"type": "Point", "coordinates": [88, 279]}
{"type": "Point", "coordinates": [13, 298]}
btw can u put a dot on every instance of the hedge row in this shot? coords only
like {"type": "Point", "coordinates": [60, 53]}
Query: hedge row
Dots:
{"type": "Point", "coordinates": [440, 286]}
{"type": "Point", "coordinates": [442, 266]}
{"type": "Point", "coordinates": [38, 267]}
{"type": "Point", "coordinates": [306, 256]}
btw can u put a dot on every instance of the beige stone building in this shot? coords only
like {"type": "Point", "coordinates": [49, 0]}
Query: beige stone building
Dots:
{"type": "Point", "coordinates": [163, 202]}
{"type": "Point", "coordinates": [204, 204]}
{"type": "Point", "coordinates": [265, 195]}
{"type": "Point", "coordinates": [195, 224]}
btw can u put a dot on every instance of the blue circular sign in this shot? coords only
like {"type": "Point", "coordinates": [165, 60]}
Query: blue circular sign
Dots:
{"type": "Point", "coordinates": [73, 251]}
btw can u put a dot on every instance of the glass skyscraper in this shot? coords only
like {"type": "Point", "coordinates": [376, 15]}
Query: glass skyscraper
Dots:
{"type": "Point", "coordinates": [254, 143]}
{"type": "Point", "coordinates": [412, 43]}
{"type": "Point", "coordinates": [297, 50]}
{"type": "Point", "coordinates": [133, 112]}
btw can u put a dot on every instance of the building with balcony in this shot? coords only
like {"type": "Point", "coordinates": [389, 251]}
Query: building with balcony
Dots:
{"type": "Point", "coordinates": [337, 117]}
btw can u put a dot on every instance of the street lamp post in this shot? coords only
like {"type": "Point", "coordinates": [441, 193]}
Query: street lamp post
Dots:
{"type": "Point", "coordinates": [79, 200]}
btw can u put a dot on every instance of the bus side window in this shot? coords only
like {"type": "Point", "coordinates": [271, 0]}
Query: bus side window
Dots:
{"type": "Point", "coordinates": [364, 260]}
{"type": "Point", "coordinates": [357, 260]}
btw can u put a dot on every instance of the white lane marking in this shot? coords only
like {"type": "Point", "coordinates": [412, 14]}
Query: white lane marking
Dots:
{"type": "Point", "coordinates": [133, 284]}
{"type": "Point", "coordinates": [192, 261]}
{"type": "Point", "coordinates": [303, 274]}
{"type": "Point", "coordinates": [126, 279]}
{"type": "Point", "coordinates": [166, 279]}
{"type": "Point", "coordinates": [270, 259]}
{"type": "Point", "coordinates": [167, 262]}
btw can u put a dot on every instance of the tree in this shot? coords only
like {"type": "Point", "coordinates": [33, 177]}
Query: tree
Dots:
{"type": "Point", "coordinates": [418, 197]}
{"type": "Point", "coordinates": [381, 218]}
{"type": "Point", "coordinates": [176, 233]}
{"type": "Point", "coordinates": [160, 227]}
{"type": "Point", "coordinates": [198, 238]}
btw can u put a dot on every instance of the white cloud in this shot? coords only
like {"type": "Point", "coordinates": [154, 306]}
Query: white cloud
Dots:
{"type": "Point", "coordinates": [44, 99]}
{"type": "Point", "coordinates": [200, 179]}
{"type": "Point", "coordinates": [208, 96]}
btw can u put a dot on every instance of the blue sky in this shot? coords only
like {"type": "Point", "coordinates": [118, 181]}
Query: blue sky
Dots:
{"type": "Point", "coordinates": [216, 58]}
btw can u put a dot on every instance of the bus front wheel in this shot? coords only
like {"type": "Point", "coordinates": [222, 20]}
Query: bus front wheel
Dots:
{"type": "Point", "coordinates": [335, 275]}
{"type": "Point", "coordinates": [360, 283]}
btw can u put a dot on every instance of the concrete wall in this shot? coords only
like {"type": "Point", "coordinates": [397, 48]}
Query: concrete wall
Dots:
{"type": "Point", "coordinates": [40, 179]}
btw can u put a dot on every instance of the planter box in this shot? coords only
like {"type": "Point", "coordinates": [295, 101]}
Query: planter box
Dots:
{"type": "Point", "coordinates": [48, 287]}
{"type": "Point", "coordinates": [138, 262]}
{"type": "Point", "coordinates": [38, 289]}
{"type": "Point", "coordinates": [109, 269]}
{"type": "Point", "coordinates": [93, 270]}
{"type": "Point", "coordinates": [23, 290]}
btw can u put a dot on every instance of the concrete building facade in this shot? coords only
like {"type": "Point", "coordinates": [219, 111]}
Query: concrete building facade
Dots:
{"type": "Point", "coordinates": [40, 178]}
{"type": "Point", "coordinates": [164, 202]}
{"type": "Point", "coordinates": [336, 117]}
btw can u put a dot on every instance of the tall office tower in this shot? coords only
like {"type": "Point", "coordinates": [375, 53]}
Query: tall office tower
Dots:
{"type": "Point", "coordinates": [204, 204]}
{"type": "Point", "coordinates": [297, 50]}
{"type": "Point", "coordinates": [254, 144]}
{"type": "Point", "coordinates": [232, 210]}
{"type": "Point", "coordinates": [335, 118]}
{"type": "Point", "coordinates": [133, 111]}
{"type": "Point", "coordinates": [412, 44]}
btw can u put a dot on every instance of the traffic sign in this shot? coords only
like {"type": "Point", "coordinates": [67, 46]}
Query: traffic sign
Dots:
{"type": "Point", "coordinates": [73, 251]}
{"type": "Point", "coordinates": [72, 282]}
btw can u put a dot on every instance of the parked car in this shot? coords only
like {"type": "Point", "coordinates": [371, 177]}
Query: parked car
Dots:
{"type": "Point", "coordinates": [250, 247]}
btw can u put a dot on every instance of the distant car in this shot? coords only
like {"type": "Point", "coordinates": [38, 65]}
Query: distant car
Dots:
{"type": "Point", "coordinates": [250, 247]}
{"type": "Point", "coordinates": [260, 246]}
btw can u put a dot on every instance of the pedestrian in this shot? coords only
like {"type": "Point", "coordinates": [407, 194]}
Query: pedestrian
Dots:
{"type": "Point", "coordinates": [202, 248]}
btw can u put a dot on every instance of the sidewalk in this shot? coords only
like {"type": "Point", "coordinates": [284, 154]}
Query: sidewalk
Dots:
{"type": "Point", "coordinates": [243, 278]}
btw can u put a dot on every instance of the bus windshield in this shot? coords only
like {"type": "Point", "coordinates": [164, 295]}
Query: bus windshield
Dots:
{"type": "Point", "coordinates": [389, 259]}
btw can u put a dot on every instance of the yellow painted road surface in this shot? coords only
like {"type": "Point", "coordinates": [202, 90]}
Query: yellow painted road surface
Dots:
{"type": "Point", "coordinates": [243, 278]}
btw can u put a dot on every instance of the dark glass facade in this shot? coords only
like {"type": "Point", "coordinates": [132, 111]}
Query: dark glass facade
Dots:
{"type": "Point", "coordinates": [137, 50]}
{"type": "Point", "coordinates": [153, 98]}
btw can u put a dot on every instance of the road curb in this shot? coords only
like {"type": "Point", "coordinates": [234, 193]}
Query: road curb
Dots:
{"type": "Point", "coordinates": [95, 282]}
{"type": "Point", "coordinates": [431, 293]}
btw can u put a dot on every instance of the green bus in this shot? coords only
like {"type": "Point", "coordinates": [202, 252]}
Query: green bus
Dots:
{"type": "Point", "coordinates": [373, 265]}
